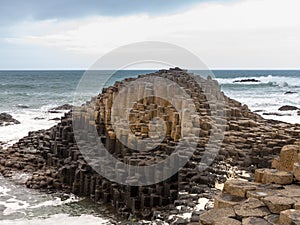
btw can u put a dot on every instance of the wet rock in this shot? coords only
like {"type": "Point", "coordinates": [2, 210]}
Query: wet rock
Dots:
{"type": "Point", "coordinates": [246, 80]}
{"type": "Point", "coordinates": [225, 200]}
{"type": "Point", "coordinates": [38, 118]}
{"type": "Point", "coordinates": [62, 107]}
{"type": "Point", "coordinates": [290, 92]}
{"type": "Point", "coordinates": [6, 119]}
{"type": "Point", "coordinates": [288, 108]}
{"type": "Point", "coordinates": [276, 114]}
{"type": "Point", "coordinates": [53, 111]}
{"type": "Point", "coordinates": [56, 119]}
{"type": "Point", "coordinates": [22, 106]}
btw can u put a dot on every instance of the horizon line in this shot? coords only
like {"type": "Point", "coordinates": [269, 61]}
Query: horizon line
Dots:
{"type": "Point", "coordinates": [85, 69]}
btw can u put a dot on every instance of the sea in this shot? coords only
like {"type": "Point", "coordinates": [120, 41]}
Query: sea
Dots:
{"type": "Point", "coordinates": [29, 95]}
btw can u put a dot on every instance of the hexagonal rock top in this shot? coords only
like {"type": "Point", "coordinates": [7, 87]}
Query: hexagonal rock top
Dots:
{"type": "Point", "coordinates": [290, 217]}
{"type": "Point", "coordinates": [277, 204]}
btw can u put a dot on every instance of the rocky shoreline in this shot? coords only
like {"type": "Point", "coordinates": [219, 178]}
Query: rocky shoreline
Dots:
{"type": "Point", "coordinates": [55, 162]}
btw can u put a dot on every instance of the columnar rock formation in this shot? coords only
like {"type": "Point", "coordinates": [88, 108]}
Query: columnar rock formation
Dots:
{"type": "Point", "coordinates": [54, 158]}
{"type": "Point", "coordinates": [274, 197]}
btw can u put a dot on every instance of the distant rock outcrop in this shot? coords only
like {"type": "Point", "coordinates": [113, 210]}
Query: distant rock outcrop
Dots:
{"type": "Point", "coordinates": [60, 108]}
{"type": "Point", "coordinates": [288, 108]}
{"type": "Point", "coordinates": [290, 92]}
{"type": "Point", "coordinates": [275, 114]}
{"type": "Point", "coordinates": [246, 80]}
{"type": "Point", "coordinates": [21, 106]}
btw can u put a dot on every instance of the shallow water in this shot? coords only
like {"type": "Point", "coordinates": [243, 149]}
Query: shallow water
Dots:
{"type": "Point", "coordinates": [20, 205]}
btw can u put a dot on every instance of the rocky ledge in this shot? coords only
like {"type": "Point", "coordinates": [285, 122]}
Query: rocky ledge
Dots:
{"type": "Point", "coordinates": [53, 158]}
{"type": "Point", "coordinates": [272, 199]}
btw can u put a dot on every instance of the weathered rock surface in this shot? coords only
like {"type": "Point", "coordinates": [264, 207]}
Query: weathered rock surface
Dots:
{"type": "Point", "coordinates": [227, 221]}
{"type": "Point", "coordinates": [255, 221]}
{"type": "Point", "coordinates": [277, 204]}
{"type": "Point", "coordinates": [210, 217]}
{"type": "Point", "coordinates": [273, 200]}
{"type": "Point", "coordinates": [251, 208]}
{"type": "Point", "coordinates": [290, 217]}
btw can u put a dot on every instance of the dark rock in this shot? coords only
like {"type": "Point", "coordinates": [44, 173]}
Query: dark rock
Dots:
{"type": "Point", "coordinates": [6, 119]}
{"type": "Point", "coordinates": [22, 106]}
{"type": "Point", "coordinates": [39, 118]}
{"type": "Point", "coordinates": [53, 111]}
{"type": "Point", "coordinates": [288, 108]}
{"type": "Point", "coordinates": [275, 114]}
{"type": "Point", "coordinates": [290, 92]}
{"type": "Point", "coordinates": [176, 68]}
{"type": "Point", "coordinates": [56, 118]}
{"type": "Point", "coordinates": [62, 107]}
{"type": "Point", "coordinates": [246, 80]}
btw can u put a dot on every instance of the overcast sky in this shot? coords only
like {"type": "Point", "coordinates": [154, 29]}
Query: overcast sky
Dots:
{"type": "Point", "coordinates": [73, 34]}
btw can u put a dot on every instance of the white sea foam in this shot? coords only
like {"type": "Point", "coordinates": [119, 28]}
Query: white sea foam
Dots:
{"type": "Point", "coordinates": [266, 96]}
{"type": "Point", "coordinates": [58, 219]}
{"type": "Point", "coordinates": [270, 80]}
{"type": "Point", "coordinates": [30, 120]}
{"type": "Point", "coordinates": [13, 201]}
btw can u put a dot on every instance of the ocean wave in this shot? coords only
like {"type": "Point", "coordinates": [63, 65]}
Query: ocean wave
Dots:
{"type": "Point", "coordinates": [59, 219]}
{"type": "Point", "coordinates": [270, 80]}
{"type": "Point", "coordinates": [18, 86]}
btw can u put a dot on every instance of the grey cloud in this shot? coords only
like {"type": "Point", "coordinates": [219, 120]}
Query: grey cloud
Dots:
{"type": "Point", "coordinates": [15, 10]}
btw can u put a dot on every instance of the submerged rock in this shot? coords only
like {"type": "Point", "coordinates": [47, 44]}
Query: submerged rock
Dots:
{"type": "Point", "coordinates": [22, 106]}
